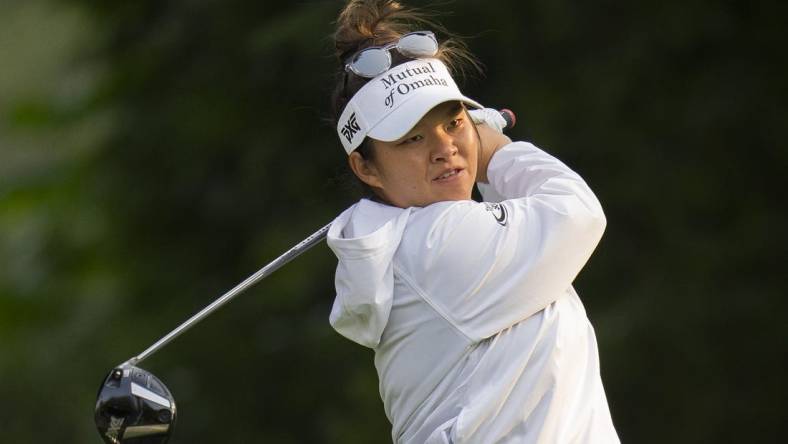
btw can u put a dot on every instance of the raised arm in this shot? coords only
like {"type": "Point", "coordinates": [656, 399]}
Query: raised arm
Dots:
{"type": "Point", "coordinates": [488, 266]}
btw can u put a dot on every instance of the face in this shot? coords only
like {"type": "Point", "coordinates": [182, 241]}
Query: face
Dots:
{"type": "Point", "coordinates": [435, 161]}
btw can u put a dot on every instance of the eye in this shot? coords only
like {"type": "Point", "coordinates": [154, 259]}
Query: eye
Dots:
{"type": "Point", "coordinates": [456, 123]}
{"type": "Point", "coordinates": [416, 138]}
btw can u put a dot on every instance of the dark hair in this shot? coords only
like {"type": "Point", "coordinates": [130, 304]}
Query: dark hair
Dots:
{"type": "Point", "coordinates": [365, 23]}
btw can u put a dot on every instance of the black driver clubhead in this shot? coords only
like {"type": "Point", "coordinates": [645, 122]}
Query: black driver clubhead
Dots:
{"type": "Point", "coordinates": [134, 407]}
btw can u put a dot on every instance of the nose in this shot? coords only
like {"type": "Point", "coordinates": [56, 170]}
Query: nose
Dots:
{"type": "Point", "coordinates": [444, 148]}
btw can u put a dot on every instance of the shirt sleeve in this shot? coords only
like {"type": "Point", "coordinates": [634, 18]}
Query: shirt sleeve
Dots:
{"type": "Point", "coordinates": [486, 266]}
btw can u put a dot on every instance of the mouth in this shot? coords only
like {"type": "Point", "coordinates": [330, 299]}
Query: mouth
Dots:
{"type": "Point", "coordinates": [449, 175]}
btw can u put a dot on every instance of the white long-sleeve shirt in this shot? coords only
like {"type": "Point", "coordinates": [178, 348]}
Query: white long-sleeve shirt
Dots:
{"type": "Point", "coordinates": [478, 334]}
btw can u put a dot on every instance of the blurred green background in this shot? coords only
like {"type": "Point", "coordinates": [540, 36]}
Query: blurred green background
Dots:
{"type": "Point", "coordinates": [153, 154]}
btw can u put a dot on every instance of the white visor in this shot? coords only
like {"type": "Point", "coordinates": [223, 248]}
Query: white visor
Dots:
{"type": "Point", "coordinates": [391, 104]}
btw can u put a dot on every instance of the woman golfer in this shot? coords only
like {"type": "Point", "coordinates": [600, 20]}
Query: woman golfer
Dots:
{"type": "Point", "coordinates": [478, 334]}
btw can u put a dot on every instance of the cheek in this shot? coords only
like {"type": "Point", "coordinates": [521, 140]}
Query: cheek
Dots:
{"type": "Point", "coordinates": [471, 144]}
{"type": "Point", "coordinates": [398, 170]}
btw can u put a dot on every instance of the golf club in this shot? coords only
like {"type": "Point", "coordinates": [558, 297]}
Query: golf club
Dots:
{"type": "Point", "coordinates": [132, 405]}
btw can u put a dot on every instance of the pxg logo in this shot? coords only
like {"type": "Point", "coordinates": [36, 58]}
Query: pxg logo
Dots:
{"type": "Point", "coordinates": [351, 128]}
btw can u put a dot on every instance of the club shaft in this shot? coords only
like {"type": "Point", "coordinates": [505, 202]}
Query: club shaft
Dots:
{"type": "Point", "coordinates": [289, 255]}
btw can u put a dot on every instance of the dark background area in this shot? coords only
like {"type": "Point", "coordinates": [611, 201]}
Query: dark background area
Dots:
{"type": "Point", "coordinates": [154, 154]}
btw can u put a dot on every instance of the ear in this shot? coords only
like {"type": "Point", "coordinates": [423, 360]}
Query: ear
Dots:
{"type": "Point", "coordinates": [365, 170]}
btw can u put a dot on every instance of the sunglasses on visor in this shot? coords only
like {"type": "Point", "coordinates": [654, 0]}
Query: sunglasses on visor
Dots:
{"type": "Point", "coordinates": [375, 60]}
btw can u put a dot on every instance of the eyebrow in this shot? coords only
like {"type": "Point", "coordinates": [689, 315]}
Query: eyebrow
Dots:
{"type": "Point", "coordinates": [455, 109]}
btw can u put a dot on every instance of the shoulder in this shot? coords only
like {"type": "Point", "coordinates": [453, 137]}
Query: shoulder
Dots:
{"type": "Point", "coordinates": [450, 228]}
{"type": "Point", "coordinates": [439, 217]}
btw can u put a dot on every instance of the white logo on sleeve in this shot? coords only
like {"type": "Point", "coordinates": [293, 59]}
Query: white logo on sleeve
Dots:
{"type": "Point", "coordinates": [498, 211]}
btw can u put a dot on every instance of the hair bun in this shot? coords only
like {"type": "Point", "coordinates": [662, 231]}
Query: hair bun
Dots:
{"type": "Point", "coordinates": [365, 23]}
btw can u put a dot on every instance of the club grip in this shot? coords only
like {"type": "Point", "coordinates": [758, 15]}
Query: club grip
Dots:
{"type": "Point", "coordinates": [509, 117]}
